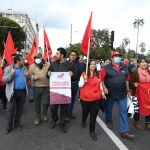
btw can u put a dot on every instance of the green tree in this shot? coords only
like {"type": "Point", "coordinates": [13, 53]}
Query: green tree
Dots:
{"type": "Point", "coordinates": [142, 47]}
{"type": "Point", "coordinates": [125, 43]}
{"type": "Point", "coordinates": [100, 45]}
{"type": "Point", "coordinates": [17, 33]}
{"type": "Point", "coordinates": [137, 24]}
{"type": "Point", "coordinates": [131, 54]}
{"type": "Point", "coordinates": [148, 55]}
{"type": "Point", "coordinates": [75, 47]}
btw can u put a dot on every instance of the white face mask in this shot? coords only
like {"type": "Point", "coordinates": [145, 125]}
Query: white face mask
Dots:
{"type": "Point", "coordinates": [37, 61]}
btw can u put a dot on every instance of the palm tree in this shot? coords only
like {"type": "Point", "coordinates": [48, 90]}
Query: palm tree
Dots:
{"type": "Point", "coordinates": [137, 23]}
{"type": "Point", "coordinates": [142, 47]}
{"type": "Point", "coordinates": [125, 42]}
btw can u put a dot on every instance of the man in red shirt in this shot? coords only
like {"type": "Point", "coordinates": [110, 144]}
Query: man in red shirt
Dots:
{"type": "Point", "coordinates": [115, 79]}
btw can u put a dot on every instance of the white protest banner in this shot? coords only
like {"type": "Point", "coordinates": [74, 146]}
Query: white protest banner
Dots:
{"type": "Point", "coordinates": [60, 88]}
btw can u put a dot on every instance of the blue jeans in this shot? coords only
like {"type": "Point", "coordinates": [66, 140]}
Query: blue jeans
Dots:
{"type": "Point", "coordinates": [147, 119]}
{"type": "Point", "coordinates": [123, 115]}
{"type": "Point", "coordinates": [74, 91]}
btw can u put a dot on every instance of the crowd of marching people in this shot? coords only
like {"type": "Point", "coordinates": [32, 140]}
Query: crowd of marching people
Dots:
{"type": "Point", "coordinates": [106, 81]}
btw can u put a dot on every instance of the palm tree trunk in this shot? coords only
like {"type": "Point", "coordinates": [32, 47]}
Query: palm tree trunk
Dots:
{"type": "Point", "coordinates": [137, 43]}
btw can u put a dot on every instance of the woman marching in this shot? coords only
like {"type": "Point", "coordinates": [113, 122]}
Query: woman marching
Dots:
{"type": "Point", "coordinates": [90, 95]}
{"type": "Point", "coordinates": [141, 75]}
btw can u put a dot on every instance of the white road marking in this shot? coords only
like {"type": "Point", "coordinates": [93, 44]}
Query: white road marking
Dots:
{"type": "Point", "coordinates": [113, 137]}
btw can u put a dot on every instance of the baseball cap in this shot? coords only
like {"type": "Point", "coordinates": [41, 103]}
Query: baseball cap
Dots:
{"type": "Point", "coordinates": [114, 53]}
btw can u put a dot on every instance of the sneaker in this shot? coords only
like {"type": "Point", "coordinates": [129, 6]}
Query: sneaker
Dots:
{"type": "Point", "coordinates": [109, 125]}
{"type": "Point", "coordinates": [45, 118]}
{"type": "Point", "coordinates": [72, 116]}
{"type": "Point", "coordinates": [63, 129]}
{"type": "Point", "coordinates": [147, 126]}
{"type": "Point", "coordinates": [93, 136]}
{"type": "Point", "coordinates": [37, 122]}
{"type": "Point", "coordinates": [4, 108]}
{"type": "Point", "coordinates": [127, 135]}
{"type": "Point", "coordinates": [18, 126]}
{"type": "Point", "coordinates": [31, 101]}
{"type": "Point", "coordinates": [8, 129]}
{"type": "Point", "coordinates": [67, 119]}
{"type": "Point", "coordinates": [137, 125]}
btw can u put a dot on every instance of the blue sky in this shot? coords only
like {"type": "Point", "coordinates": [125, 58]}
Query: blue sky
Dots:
{"type": "Point", "coordinates": [58, 15]}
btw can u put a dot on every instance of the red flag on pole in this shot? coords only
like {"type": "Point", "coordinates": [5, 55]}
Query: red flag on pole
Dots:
{"type": "Point", "coordinates": [9, 49]}
{"type": "Point", "coordinates": [33, 51]}
{"type": "Point", "coordinates": [87, 37]}
{"type": "Point", "coordinates": [10, 46]}
{"type": "Point", "coordinates": [47, 47]}
{"type": "Point", "coordinates": [7, 54]}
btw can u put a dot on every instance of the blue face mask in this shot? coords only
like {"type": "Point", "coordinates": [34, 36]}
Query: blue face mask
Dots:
{"type": "Point", "coordinates": [117, 60]}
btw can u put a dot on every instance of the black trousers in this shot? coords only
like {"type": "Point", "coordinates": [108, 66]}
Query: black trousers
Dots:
{"type": "Point", "coordinates": [41, 95]}
{"type": "Point", "coordinates": [3, 95]}
{"type": "Point", "coordinates": [63, 112]}
{"type": "Point", "coordinates": [15, 107]}
{"type": "Point", "coordinates": [93, 109]}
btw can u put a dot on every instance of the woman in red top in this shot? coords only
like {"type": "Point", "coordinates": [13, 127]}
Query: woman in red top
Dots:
{"type": "Point", "coordinates": [141, 75]}
{"type": "Point", "coordinates": [90, 95]}
{"type": "Point", "coordinates": [3, 85]}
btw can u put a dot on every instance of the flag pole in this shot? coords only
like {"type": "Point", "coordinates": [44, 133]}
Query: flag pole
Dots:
{"type": "Point", "coordinates": [3, 60]}
{"type": "Point", "coordinates": [48, 56]}
{"type": "Point", "coordinates": [88, 53]}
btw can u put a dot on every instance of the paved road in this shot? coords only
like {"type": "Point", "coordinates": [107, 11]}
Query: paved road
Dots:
{"type": "Point", "coordinates": [43, 138]}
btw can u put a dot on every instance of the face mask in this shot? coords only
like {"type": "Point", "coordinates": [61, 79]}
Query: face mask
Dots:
{"type": "Point", "coordinates": [37, 61]}
{"type": "Point", "coordinates": [117, 60]}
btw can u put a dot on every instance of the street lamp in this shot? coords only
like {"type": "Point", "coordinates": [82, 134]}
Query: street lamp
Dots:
{"type": "Point", "coordinates": [71, 34]}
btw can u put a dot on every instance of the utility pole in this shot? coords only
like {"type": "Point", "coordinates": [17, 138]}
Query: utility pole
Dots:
{"type": "Point", "coordinates": [71, 35]}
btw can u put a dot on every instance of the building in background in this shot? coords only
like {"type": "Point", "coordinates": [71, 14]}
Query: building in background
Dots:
{"type": "Point", "coordinates": [29, 26]}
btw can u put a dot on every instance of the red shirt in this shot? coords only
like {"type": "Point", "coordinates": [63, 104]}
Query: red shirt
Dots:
{"type": "Point", "coordinates": [91, 90]}
{"type": "Point", "coordinates": [117, 68]}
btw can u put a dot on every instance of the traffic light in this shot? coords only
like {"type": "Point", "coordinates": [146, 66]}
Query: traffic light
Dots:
{"type": "Point", "coordinates": [112, 35]}
{"type": "Point", "coordinates": [112, 39]}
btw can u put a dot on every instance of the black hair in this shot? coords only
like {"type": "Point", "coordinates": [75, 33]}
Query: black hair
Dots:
{"type": "Point", "coordinates": [5, 61]}
{"type": "Point", "coordinates": [62, 51]}
{"type": "Point", "coordinates": [17, 57]}
{"type": "Point", "coordinates": [13, 55]}
{"type": "Point", "coordinates": [140, 60]}
{"type": "Point", "coordinates": [131, 60]}
{"type": "Point", "coordinates": [73, 51]}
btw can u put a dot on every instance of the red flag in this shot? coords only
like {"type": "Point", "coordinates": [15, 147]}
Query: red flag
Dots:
{"type": "Point", "coordinates": [33, 51]}
{"type": "Point", "coordinates": [87, 35]}
{"type": "Point", "coordinates": [7, 55]}
{"type": "Point", "coordinates": [143, 95]}
{"type": "Point", "coordinates": [10, 46]}
{"type": "Point", "coordinates": [47, 46]}
{"type": "Point", "coordinates": [9, 49]}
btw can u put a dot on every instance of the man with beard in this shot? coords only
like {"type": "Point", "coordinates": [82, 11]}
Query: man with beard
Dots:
{"type": "Point", "coordinates": [60, 65]}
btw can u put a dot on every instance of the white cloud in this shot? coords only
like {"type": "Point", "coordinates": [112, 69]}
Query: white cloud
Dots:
{"type": "Point", "coordinates": [58, 15]}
